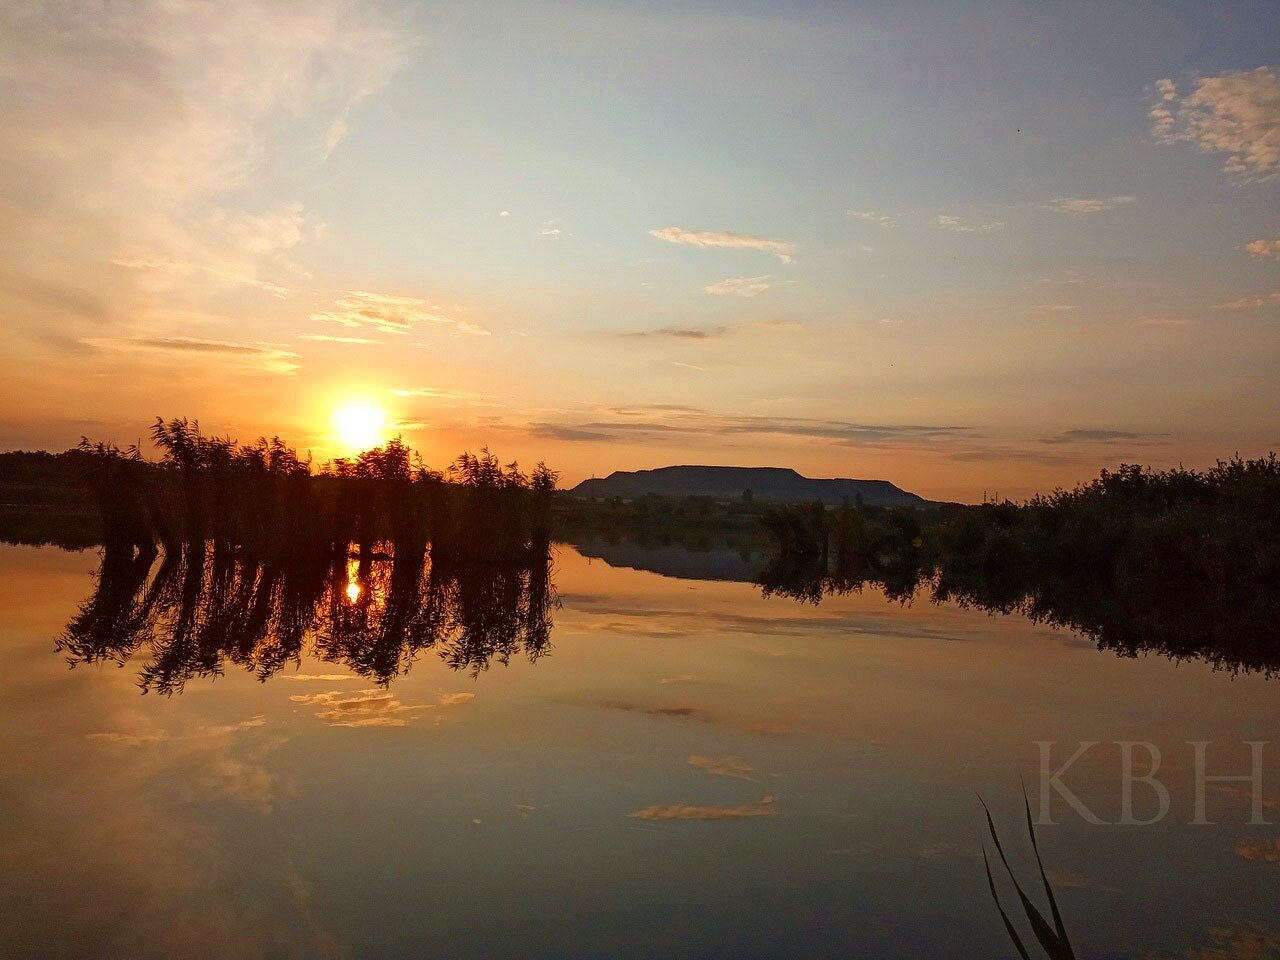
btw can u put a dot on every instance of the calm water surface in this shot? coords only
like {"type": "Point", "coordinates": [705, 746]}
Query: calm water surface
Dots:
{"type": "Point", "coordinates": [691, 770]}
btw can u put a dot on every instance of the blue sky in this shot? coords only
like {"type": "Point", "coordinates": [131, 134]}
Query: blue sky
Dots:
{"type": "Point", "coordinates": [950, 246]}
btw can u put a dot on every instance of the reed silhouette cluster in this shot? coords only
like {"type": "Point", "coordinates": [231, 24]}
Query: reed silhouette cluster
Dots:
{"type": "Point", "coordinates": [262, 498]}
{"type": "Point", "coordinates": [1180, 562]}
{"type": "Point", "coordinates": [224, 553]}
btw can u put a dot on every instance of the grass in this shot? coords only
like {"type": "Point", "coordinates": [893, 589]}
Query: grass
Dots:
{"type": "Point", "coordinates": [1052, 938]}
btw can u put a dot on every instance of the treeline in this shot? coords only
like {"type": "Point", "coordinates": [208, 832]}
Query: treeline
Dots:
{"type": "Point", "coordinates": [1181, 562]}
{"type": "Point", "coordinates": [263, 498]}
{"type": "Point", "coordinates": [1216, 526]}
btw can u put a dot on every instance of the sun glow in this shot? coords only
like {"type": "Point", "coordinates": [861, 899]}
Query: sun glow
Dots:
{"type": "Point", "coordinates": [360, 426]}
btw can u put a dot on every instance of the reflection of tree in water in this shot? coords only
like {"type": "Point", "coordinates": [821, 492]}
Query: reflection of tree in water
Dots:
{"type": "Point", "coordinates": [1179, 562]}
{"type": "Point", "coordinates": [1233, 627]}
{"type": "Point", "coordinates": [195, 608]}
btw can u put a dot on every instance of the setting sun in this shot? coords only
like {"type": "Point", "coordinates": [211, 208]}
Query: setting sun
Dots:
{"type": "Point", "coordinates": [360, 426]}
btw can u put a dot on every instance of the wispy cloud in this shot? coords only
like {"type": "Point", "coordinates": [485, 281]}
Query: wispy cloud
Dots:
{"type": "Point", "coordinates": [390, 314]}
{"type": "Point", "coordinates": [740, 286]}
{"type": "Point", "coordinates": [677, 333]}
{"type": "Point", "coordinates": [947, 222]}
{"type": "Point", "coordinates": [1248, 303]}
{"type": "Point", "coordinates": [562, 431]}
{"type": "Point", "coordinates": [1264, 249]}
{"type": "Point", "coordinates": [365, 708]}
{"type": "Point", "coordinates": [440, 393]}
{"type": "Point", "coordinates": [312, 677]}
{"type": "Point", "coordinates": [138, 129]}
{"type": "Point", "coordinates": [781, 249]}
{"type": "Point", "coordinates": [688, 366]}
{"type": "Point", "coordinates": [767, 807]}
{"type": "Point", "coordinates": [265, 356]}
{"type": "Point", "coordinates": [1104, 436]}
{"type": "Point", "coordinates": [707, 424]}
{"type": "Point", "coordinates": [371, 708]}
{"type": "Point", "coordinates": [154, 737]}
{"type": "Point", "coordinates": [731, 766]}
{"type": "Point", "coordinates": [1079, 206]}
{"type": "Point", "coordinates": [328, 338]}
{"type": "Point", "coordinates": [871, 216]}
{"type": "Point", "coordinates": [1233, 113]}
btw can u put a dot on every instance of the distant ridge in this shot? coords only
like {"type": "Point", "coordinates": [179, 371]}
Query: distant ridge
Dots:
{"type": "Point", "coordinates": [765, 483]}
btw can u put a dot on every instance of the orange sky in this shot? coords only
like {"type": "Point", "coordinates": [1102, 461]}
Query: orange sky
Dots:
{"type": "Point", "coordinates": [857, 242]}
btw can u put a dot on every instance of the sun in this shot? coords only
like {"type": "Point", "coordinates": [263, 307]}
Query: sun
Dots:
{"type": "Point", "coordinates": [360, 426]}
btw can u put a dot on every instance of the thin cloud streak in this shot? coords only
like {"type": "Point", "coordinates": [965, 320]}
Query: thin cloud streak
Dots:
{"type": "Point", "coordinates": [388, 313]}
{"type": "Point", "coordinates": [1081, 206]}
{"type": "Point", "coordinates": [740, 286]}
{"type": "Point", "coordinates": [269, 357]}
{"type": "Point", "coordinates": [958, 225]}
{"type": "Point", "coordinates": [782, 249]}
{"type": "Point", "coordinates": [767, 807]}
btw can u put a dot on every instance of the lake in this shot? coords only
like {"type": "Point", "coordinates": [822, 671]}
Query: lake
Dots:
{"type": "Point", "coordinates": [687, 768]}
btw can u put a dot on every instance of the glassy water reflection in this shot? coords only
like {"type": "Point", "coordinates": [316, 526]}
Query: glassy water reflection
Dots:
{"type": "Point", "coordinates": [587, 759]}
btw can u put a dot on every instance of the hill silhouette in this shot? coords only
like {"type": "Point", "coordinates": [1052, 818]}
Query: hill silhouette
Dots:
{"type": "Point", "coordinates": [763, 483]}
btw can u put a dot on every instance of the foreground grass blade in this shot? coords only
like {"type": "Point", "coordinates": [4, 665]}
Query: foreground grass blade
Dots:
{"type": "Point", "coordinates": [1053, 942]}
{"type": "Point", "coordinates": [1008, 924]}
{"type": "Point", "coordinates": [1048, 890]}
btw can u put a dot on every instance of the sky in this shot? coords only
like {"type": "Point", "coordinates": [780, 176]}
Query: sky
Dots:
{"type": "Point", "coordinates": [980, 251]}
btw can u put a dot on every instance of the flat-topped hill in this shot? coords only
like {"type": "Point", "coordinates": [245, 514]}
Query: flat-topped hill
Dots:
{"type": "Point", "coordinates": [764, 483]}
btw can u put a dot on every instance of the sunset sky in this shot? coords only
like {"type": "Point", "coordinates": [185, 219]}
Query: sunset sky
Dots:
{"type": "Point", "coordinates": [992, 249]}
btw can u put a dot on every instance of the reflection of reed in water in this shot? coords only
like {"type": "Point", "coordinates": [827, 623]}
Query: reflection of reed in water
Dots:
{"type": "Point", "coordinates": [1179, 563]}
{"type": "Point", "coordinates": [375, 559]}
{"type": "Point", "coordinates": [373, 611]}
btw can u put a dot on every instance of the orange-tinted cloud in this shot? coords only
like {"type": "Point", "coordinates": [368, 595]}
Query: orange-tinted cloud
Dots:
{"type": "Point", "coordinates": [688, 811]}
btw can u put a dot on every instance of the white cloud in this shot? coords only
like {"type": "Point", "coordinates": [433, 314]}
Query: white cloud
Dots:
{"type": "Point", "coordinates": [390, 314]}
{"type": "Point", "coordinates": [781, 249]}
{"type": "Point", "coordinates": [740, 286]}
{"type": "Point", "coordinates": [871, 216]}
{"type": "Point", "coordinates": [1233, 113]}
{"type": "Point", "coordinates": [962, 226]}
{"type": "Point", "coordinates": [1264, 249]}
{"type": "Point", "coordinates": [1078, 206]}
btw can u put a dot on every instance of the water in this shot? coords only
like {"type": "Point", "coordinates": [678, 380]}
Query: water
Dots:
{"type": "Point", "coordinates": [690, 769]}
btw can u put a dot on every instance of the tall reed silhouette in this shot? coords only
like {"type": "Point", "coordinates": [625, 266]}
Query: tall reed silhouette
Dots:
{"type": "Point", "coordinates": [371, 560]}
